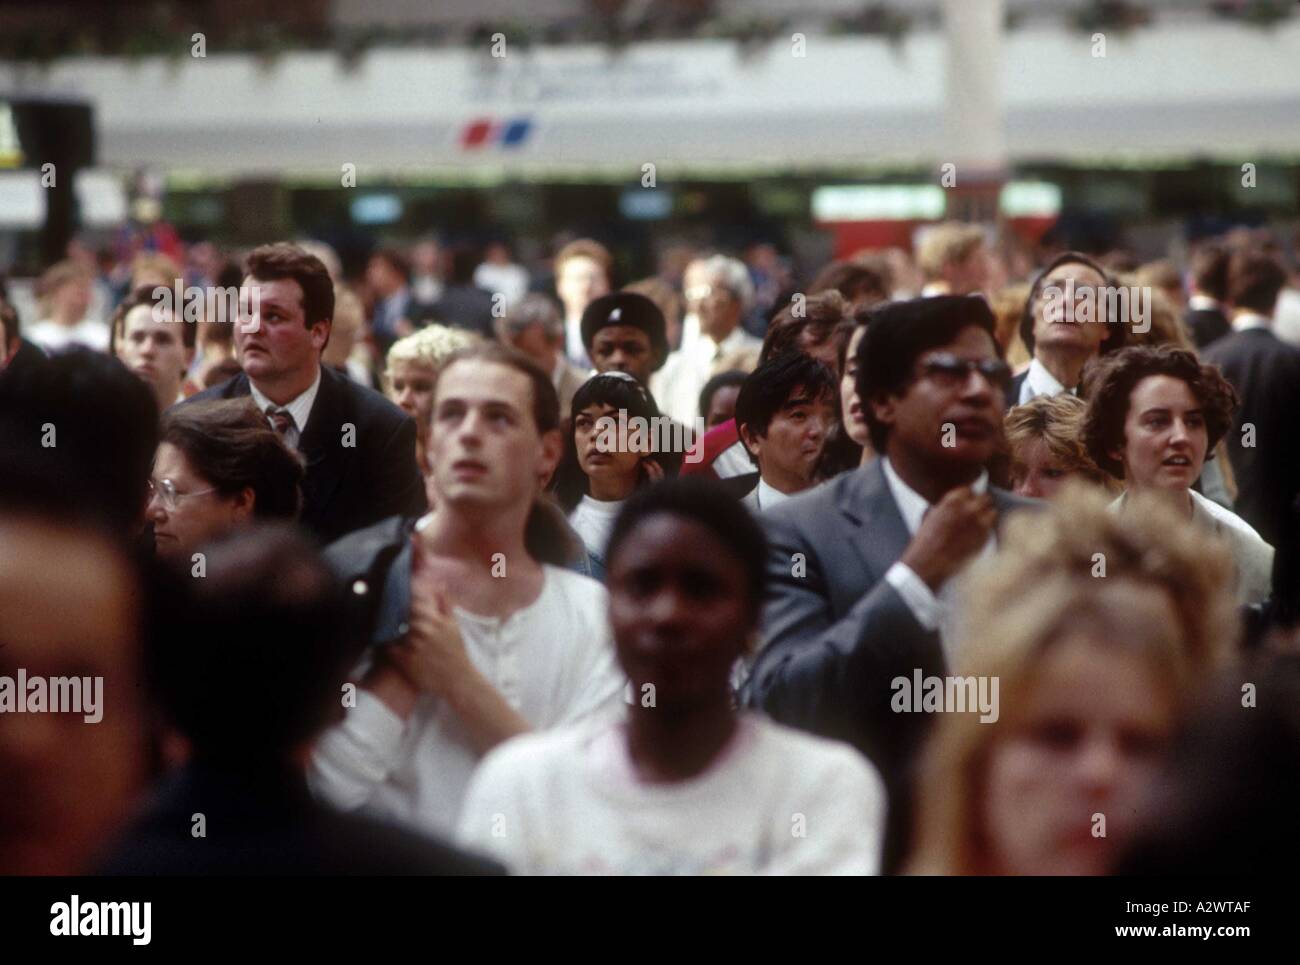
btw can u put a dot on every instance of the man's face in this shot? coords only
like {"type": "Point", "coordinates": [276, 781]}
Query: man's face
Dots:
{"type": "Point", "coordinates": [972, 274]}
{"type": "Point", "coordinates": [678, 610]}
{"type": "Point", "coordinates": [719, 309]}
{"type": "Point", "coordinates": [788, 453]}
{"type": "Point", "coordinates": [66, 609]}
{"type": "Point", "coordinates": [623, 348]}
{"type": "Point", "coordinates": [484, 447]}
{"type": "Point", "coordinates": [411, 388]}
{"type": "Point", "coordinates": [1056, 331]}
{"type": "Point", "coordinates": [382, 277]}
{"type": "Point", "coordinates": [1165, 437]}
{"type": "Point", "coordinates": [272, 340]}
{"type": "Point", "coordinates": [941, 418]}
{"type": "Point", "coordinates": [722, 406]}
{"type": "Point", "coordinates": [580, 281]}
{"type": "Point", "coordinates": [155, 351]}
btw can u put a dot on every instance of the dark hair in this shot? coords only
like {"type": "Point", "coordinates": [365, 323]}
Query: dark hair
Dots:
{"type": "Point", "coordinates": [721, 380]}
{"type": "Point", "coordinates": [620, 391]}
{"type": "Point", "coordinates": [81, 430]}
{"type": "Point", "coordinates": [898, 334]}
{"type": "Point", "coordinates": [1210, 270]}
{"type": "Point", "coordinates": [820, 316]}
{"type": "Point", "coordinates": [546, 401]}
{"type": "Point", "coordinates": [461, 261]}
{"type": "Point", "coordinates": [709, 504]}
{"type": "Point", "coordinates": [269, 609]}
{"type": "Point", "coordinates": [1255, 279]}
{"type": "Point", "coordinates": [769, 389]}
{"type": "Point", "coordinates": [284, 260]}
{"type": "Point", "coordinates": [1109, 382]}
{"type": "Point", "coordinates": [1118, 332]}
{"type": "Point", "coordinates": [851, 279]}
{"type": "Point", "coordinates": [844, 334]}
{"type": "Point", "coordinates": [231, 445]}
{"type": "Point", "coordinates": [144, 296]}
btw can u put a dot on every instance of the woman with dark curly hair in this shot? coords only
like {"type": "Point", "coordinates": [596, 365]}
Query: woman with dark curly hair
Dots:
{"type": "Point", "coordinates": [1154, 413]}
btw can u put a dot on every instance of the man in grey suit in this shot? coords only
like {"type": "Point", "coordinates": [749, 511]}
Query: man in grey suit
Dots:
{"type": "Point", "coordinates": [860, 569]}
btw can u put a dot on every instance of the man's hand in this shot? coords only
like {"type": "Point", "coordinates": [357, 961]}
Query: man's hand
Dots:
{"type": "Point", "coordinates": [432, 657]}
{"type": "Point", "coordinates": [954, 530]}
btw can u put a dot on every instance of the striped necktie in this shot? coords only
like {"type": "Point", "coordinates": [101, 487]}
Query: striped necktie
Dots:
{"type": "Point", "coordinates": [281, 420]}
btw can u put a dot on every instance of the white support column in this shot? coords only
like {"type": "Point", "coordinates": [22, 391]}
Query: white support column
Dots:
{"type": "Point", "coordinates": [974, 110]}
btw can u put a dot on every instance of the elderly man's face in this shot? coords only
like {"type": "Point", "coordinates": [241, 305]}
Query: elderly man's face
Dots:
{"type": "Point", "coordinates": [720, 310]}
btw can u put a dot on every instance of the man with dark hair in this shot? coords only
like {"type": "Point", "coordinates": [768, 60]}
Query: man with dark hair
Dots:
{"type": "Point", "coordinates": [861, 282]}
{"type": "Point", "coordinates": [784, 412]}
{"type": "Point", "coordinates": [270, 606]}
{"type": "Point", "coordinates": [1206, 317]}
{"type": "Point", "coordinates": [811, 326]}
{"type": "Point", "coordinates": [1061, 343]}
{"type": "Point", "coordinates": [526, 644]}
{"type": "Point", "coordinates": [77, 437]}
{"type": "Point", "coordinates": [625, 332]}
{"type": "Point", "coordinates": [462, 304]}
{"type": "Point", "coordinates": [154, 341]}
{"type": "Point", "coordinates": [1265, 371]}
{"type": "Point", "coordinates": [718, 398]}
{"type": "Point", "coordinates": [862, 568]}
{"type": "Point", "coordinates": [389, 275]}
{"type": "Point", "coordinates": [358, 446]}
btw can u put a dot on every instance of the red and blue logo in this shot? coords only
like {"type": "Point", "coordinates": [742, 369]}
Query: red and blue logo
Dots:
{"type": "Point", "coordinates": [485, 132]}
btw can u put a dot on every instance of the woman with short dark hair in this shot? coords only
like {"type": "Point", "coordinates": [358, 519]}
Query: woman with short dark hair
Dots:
{"type": "Point", "coordinates": [1154, 416]}
{"type": "Point", "coordinates": [219, 464]}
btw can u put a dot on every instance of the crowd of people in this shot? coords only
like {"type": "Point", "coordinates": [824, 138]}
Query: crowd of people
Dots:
{"type": "Point", "coordinates": [940, 563]}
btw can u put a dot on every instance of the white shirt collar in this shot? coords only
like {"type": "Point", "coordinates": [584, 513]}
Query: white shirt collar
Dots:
{"type": "Point", "coordinates": [1245, 321]}
{"type": "Point", "coordinates": [1039, 381]}
{"type": "Point", "coordinates": [299, 408]}
{"type": "Point", "coordinates": [769, 496]}
{"type": "Point", "coordinates": [1202, 303]}
{"type": "Point", "coordinates": [911, 504]}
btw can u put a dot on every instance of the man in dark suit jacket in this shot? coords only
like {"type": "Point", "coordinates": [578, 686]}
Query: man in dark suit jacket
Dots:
{"type": "Point", "coordinates": [359, 448]}
{"type": "Point", "coordinates": [1207, 321]}
{"type": "Point", "coordinates": [861, 567]}
{"type": "Point", "coordinates": [271, 607]}
{"type": "Point", "coordinates": [1265, 371]}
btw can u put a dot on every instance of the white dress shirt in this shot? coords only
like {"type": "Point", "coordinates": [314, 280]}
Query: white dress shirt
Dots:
{"type": "Point", "coordinates": [1245, 321]}
{"type": "Point", "coordinates": [932, 611]}
{"type": "Point", "coordinates": [676, 387]}
{"type": "Point", "coordinates": [299, 409]}
{"type": "Point", "coordinates": [1039, 381]}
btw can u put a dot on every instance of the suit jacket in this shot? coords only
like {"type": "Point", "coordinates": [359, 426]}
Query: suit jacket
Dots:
{"type": "Point", "coordinates": [1012, 398]}
{"type": "Point", "coordinates": [1265, 371]}
{"type": "Point", "coordinates": [1206, 325]}
{"type": "Point", "coordinates": [348, 487]}
{"type": "Point", "coordinates": [28, 356]}
{"type": "Point", "coordinates": [836, 634]}
{"type": "Point", "coordinates": [268, 824]}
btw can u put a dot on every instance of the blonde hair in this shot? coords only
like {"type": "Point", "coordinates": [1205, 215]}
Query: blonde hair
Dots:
{"type": "Point", "coordinates": [1044, 588]}
{"type": "Point", "coordinates": [427, 346]}
{"type": "Point", "coordinates": [151, 268]}
{"type": "Point", "coordinates": [1166, 326]}
{"type": "Point", "coordinates": [585, 248]}
{"type": "Point", "coordinates": [1008, 309]}
{"type": "Point", "coordinates": [56, 276]}
{"type": "Point", "coordinates": [1058, 421]}
{"type": "Point", "coordinates": [945, 244]}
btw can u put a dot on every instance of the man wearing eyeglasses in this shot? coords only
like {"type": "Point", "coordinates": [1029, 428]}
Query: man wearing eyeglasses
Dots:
{"type": "Point", "coordinates": [862, 568]}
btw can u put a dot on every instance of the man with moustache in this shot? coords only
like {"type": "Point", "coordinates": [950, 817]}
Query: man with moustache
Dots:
{"type": "Point", "coordinates": [359, 447]}
{"type": "Point", "coordinates": [863, 568]}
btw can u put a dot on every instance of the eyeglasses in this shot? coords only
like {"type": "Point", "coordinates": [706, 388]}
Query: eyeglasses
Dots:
{"type": "Point", "coordinates": [164, 490]}
{"type": "Point", "coordinates": [951, 371]}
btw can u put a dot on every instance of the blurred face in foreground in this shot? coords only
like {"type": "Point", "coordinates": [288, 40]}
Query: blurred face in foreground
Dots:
{"type": "Point", "coordinates": [679, 610]}
{"type": "Point", "coordinates": [67, 609]}
{"type": "Point", "coordinates": [1087, 745]}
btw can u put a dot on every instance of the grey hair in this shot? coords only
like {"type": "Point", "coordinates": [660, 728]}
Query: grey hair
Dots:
{"type": "Point", "coordinates": [733, 275]}
{"type": "Point", "coordinates": [534, 309]}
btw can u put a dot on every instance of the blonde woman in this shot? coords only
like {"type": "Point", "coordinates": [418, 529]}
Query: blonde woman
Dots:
{"type": "Point", "coordinates": [1045, 439]}
{"type": "Point", "coordinates": [1096, 629]}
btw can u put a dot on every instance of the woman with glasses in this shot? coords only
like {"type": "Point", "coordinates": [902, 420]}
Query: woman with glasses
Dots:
{"type": "Point", "coordinates": [607, 459]}
{"type": "Point", "coordinates": [219, 464]}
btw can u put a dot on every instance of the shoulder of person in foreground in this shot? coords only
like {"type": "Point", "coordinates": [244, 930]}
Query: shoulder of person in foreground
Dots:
{"type": "Point", "coordinates": [836, 801]}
